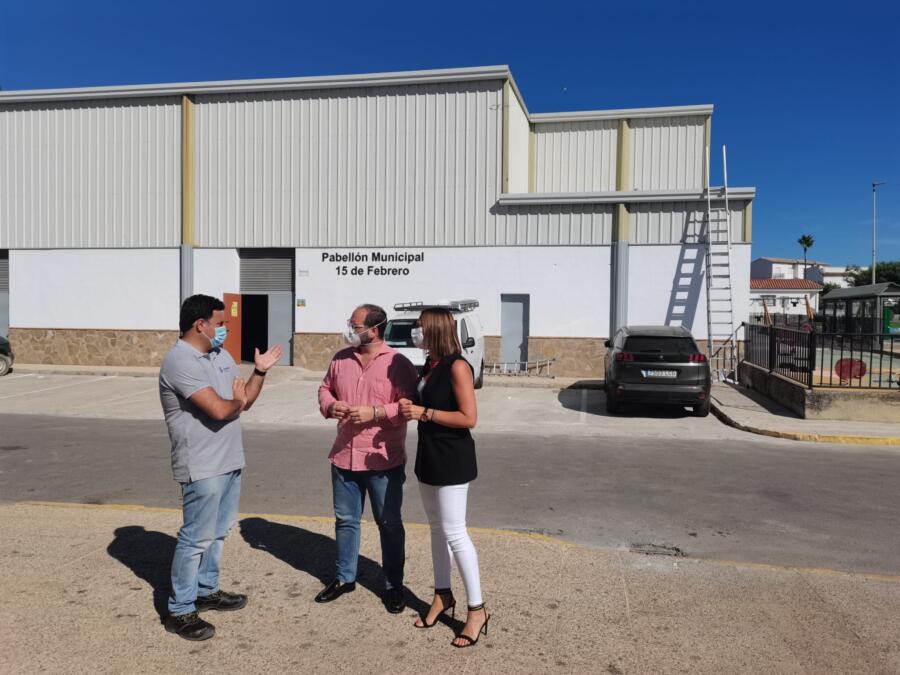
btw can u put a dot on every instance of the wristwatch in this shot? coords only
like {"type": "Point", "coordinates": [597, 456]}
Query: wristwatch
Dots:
{"type": "Point", "coordinates": [261, 373]}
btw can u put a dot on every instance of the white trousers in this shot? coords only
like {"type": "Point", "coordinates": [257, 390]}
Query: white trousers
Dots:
{"type": "Point", "coordinates": [446, 509]}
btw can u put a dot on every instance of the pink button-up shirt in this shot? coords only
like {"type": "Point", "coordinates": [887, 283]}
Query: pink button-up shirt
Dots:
{"type": "Point", "coordinates": [389, 376]}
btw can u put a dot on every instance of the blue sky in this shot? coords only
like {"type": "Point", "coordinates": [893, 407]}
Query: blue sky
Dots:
{"type": "Point", "coordinates": [807, 95]}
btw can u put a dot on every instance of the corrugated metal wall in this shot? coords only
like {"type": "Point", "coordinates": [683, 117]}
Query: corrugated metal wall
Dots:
{"type": "Point", "coordinates": [91, 174]}
{"type": "Point", "coordinates": [400, 166]}
{"type": "Point", "coordinates": [575, 156]}
{"type": "Point", "coordinates": [679, 222]}
{"type": "Point", "coordinates": [557, 225]}
{"type": "Point", "coordinates": [667, 153]}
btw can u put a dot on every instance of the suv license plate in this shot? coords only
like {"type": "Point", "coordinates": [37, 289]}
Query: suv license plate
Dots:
{"type": "Point", "coordinates": [659, 373]}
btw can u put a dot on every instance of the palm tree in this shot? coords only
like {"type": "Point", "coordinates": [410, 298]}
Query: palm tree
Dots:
{"type": "Point", "coordinates": [806, 241]}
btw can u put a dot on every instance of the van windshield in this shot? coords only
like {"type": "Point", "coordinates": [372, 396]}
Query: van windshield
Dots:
{"type": "Point", "coordinates": [397, 333]}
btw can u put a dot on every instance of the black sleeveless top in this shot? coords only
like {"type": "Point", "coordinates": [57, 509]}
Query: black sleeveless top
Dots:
{"type": "Point", "coordinates": [445, 456]}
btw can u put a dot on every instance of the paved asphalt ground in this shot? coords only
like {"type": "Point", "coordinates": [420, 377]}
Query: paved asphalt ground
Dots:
{"type": "Point", "coordinates": [753, 500]}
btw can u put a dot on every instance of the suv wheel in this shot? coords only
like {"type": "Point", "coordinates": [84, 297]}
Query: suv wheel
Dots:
{"type": "Point", "coordinates": [479, 381]}
{"type": "Point", "coordinates": [612, 405]}
{"type": "Point", "coordinates": [5, 365]}
{"type": "Point", "coordinates": [702, 410]}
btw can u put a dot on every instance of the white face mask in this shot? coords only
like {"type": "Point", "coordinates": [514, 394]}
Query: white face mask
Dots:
{"type": "Point", "coordinates": [418, 338]}
{"type": "Point", "coordinates": [354, 339]}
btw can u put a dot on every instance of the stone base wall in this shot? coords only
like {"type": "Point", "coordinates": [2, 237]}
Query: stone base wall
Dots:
{"type": "Point", "coordinates": [575, 357]}
{"type": "Point", "coordinates": [314, 351]}
{"type": "Point", "coordinates": [89, 347]}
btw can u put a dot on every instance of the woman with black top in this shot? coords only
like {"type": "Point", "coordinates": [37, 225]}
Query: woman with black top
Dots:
{"type": "Point", "coordinates": [445, 465]}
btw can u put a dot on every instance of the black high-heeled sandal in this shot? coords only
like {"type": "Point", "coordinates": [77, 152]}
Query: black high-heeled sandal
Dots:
{"type": "Point", "coordinates": [443, 592]}
{"type": "Point", "coordinates": [472, 641]}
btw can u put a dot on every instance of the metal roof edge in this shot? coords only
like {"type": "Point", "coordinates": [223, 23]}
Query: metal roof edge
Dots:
{"type": "Point", "coordinates": [620, 197]}
{"type": "Point", "coordinates": [629, 113]}
{"type": "Point", "coordinates": [261, 85]}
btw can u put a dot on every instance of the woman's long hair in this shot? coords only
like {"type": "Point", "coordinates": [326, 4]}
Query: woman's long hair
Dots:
{"type": "Point", "coordinates": [439, 329]}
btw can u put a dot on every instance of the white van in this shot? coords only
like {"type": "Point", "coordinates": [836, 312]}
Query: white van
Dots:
{"type": "Point", "coordinates": [398, 331]}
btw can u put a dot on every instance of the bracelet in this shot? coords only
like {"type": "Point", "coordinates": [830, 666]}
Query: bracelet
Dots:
{"type": "Point", "coordinates": [433, 411]}
{"type": "Point", "coordinates": [374, 412]}
{"type": "Point", "coordinates": [261, 373]}
{"type": "Point", "coordinates": [424, 417]}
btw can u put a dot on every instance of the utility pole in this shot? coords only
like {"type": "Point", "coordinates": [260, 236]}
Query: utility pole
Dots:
{"type": "Point", "coordinates": [874, 185]}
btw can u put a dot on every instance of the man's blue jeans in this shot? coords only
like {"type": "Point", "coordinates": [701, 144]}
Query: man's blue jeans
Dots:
{"type": "Point", "coordinates": [210, 509]}
{"type": "Point", "coordinates": [385, 489]}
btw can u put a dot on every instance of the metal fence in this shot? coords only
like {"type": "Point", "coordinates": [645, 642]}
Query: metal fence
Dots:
{"type": "Point", "coordinates": [861, 361]}
{"type": "Point", "coordinates": [870, 361]}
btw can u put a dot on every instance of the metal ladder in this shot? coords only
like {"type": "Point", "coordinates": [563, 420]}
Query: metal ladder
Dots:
{"type": "Point", "coordinates": [719, 298]}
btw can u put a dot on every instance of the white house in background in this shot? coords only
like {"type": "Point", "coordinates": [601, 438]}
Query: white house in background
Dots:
{"type": "Point", "coordinates": [780, 268]}
{"type": "Point", "coordinates": [783, 296]}
{"type": "Point", "coordinates": [829, 274]}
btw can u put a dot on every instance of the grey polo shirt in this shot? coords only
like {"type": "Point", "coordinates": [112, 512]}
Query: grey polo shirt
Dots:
{"type": "Point", "coordinates": [201, 446]}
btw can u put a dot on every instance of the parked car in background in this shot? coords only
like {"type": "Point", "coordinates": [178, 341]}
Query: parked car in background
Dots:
{"type": "Point", "coordinates": [656, 364]}
{"type": "Point", "coordinates": [6, 356]}
{"type": "Point", "coordinates": [397, 333]}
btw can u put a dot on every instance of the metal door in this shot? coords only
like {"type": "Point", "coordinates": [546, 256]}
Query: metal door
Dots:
{"type": "Point", "coordinates": [233, 316]}
{"type": "Point", "coordinates": [281, 322]}
{"type": "Point", "coordinates": [271, 272]}
{"type": "Point", "coordinates": [514, 320]}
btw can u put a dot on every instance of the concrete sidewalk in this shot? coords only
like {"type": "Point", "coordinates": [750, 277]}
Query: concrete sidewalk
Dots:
{"type": "Point", "coordinates": [79, 586]}
{"type": "Point", "coordinates": [747, 410]}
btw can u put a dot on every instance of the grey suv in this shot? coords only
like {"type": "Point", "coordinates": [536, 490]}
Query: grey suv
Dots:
{"type": "Point", "coordinates": [656, 364]}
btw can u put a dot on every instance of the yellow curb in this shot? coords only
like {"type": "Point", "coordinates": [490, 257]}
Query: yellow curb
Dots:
{"type": "Point", "coordinates": [804, 436]}
{"type": "Point", "coordinates": [826, 571]}
{"type": "Point", "coordinates": [537, 536]}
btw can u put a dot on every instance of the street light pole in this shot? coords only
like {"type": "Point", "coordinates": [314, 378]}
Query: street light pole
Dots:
{"type": "Point", "coordinates": [874, 185]}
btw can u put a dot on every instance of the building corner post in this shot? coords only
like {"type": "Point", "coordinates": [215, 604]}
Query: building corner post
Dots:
{"type": "Point", "coordinates": [188, 198]}
{"type": "Point", "coordinates": [618, 280]}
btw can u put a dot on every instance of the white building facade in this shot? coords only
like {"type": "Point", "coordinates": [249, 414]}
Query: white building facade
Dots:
{"type": "Point", "coordinates": [301, 198]}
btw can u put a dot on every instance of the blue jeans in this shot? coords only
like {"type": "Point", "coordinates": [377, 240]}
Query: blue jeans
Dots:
{"type": "Point", "coordinates": [385, 489]}
{"type": "Point", "coordinates": [210, 509]}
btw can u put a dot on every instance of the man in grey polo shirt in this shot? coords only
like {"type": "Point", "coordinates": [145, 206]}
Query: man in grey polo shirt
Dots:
{"type": "Point", "coordinates": [202, 398]}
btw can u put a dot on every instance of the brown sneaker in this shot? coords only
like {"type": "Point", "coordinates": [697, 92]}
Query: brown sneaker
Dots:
{"type": "Point", "coordinates": [190, 627]}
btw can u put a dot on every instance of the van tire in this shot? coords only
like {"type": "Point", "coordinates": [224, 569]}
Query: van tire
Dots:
{"type": "Point", "coordinates": [479, 382]}
{"type": "Point", "coordinates": [5, 365]}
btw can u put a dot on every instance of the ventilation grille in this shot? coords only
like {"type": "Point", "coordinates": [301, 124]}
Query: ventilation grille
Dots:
{"type": "Point", "coordinates": [266, 270]}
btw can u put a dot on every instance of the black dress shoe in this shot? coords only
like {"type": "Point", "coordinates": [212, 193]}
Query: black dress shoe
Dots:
{"type": "Point", "coordinates": [395, 600]}
{"type": "Point", "coordinates": [190, 627]}
{"type": "Point", "coordinates": [334, 590]}
{"type": "Point", "coordinates": [222, 601]}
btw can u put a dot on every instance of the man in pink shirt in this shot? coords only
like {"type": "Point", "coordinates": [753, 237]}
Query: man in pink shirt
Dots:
{"type": "Point", "coordinates": [362, 390]}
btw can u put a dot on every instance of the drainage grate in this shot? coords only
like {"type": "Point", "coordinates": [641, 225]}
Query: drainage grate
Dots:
{"type": "Point", "coordinates": [657, 549]}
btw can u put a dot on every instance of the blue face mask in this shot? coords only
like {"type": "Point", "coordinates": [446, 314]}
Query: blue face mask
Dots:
{"type": "Point", "coordinates": [219, 339]}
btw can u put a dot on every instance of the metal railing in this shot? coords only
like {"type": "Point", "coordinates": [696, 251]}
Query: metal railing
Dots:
{"type": "Point", "coordinates": [724, 361]}
{"type": "Point", "coordinates": [869, 361]}
{"type": "Point", "coordinates": [860, 361]}
{"type": "Point", "coordinates": [539, 368]}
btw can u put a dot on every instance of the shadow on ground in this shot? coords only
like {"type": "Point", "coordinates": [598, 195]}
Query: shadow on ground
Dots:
{"type": "Point", "coordinates": [149, 555]}
{"type": "Point", "coordinates": [593, 402]}
{"type": "Point", "coordinates": [314, 554]}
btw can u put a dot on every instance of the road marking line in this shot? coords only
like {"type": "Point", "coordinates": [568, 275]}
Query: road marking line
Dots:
{"type": "Point", "coordinates": [17, 377]}
{"type": "Point", "coordinates": [62, 386]}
